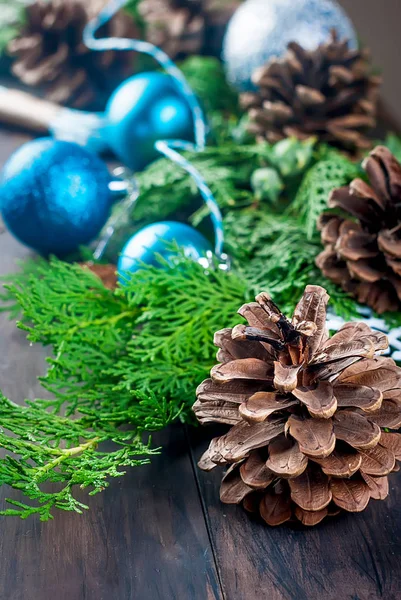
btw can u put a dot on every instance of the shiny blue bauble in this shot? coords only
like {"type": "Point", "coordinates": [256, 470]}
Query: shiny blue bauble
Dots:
{"type": "Point", "coordinates": [152, 239]}
{"type": "Point", "coordinates": [54, 195]}
{"type": "Point", "coordinates": [261, 29]}
{"type": "Point", "coordinates": [146, 108]}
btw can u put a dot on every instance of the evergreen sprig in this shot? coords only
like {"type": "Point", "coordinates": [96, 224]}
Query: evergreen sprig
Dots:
{"type": "Point", "coordinates": [43, 448]}
{"type": "Point", "coordinates": [130, 357]}
{"type": "Point", "coordinates": [155, 333]}
{"type": "Point", "coordinates": [332, 172]}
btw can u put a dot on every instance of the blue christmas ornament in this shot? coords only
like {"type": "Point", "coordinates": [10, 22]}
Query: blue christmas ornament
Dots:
{"type": "Point", "coordinates": [144, 109]}
{"type": "Point", "coordinates": [261, 29]}
{"type": "Point", "coordinates": [151, 239]}
{"type": "Point", "coordinates": [54, 195]}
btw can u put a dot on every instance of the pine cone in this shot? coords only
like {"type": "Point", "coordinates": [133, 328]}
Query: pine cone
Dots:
{"type": "Point", "coordinates": [363, 248]}
{"type": "Point", "coordinates": [306, 411]}
{"type": "Point", "coordinates": [49, 51]}
{"type": "Point", "coordinates": [106, 273]}
{"type": "Point", "coordinates": [185, 27]}
{"type": "Point", "coordinates": [176, 26]}
{"type": "Point", "coordinates": [328, 93]}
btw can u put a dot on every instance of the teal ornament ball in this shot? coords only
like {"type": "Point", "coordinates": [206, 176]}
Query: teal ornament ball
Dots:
{"type": "Point", "coordinates": [154, 239]}
{"type": "Point", "coordinates": [146, 108]}
{"type": "Point", "coordinates": [262, 29]}
{"type": "Point", "coordinates": [54, 195]}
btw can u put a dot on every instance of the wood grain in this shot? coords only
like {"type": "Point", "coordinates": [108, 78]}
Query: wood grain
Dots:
{"type": "Point", "coordinates": [144, 538]}
{"type": "Point", "coordinates": [352, 557]}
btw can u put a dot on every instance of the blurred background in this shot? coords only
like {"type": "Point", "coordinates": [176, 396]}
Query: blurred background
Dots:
{"type": "Point", "coordinates": [378, 25]}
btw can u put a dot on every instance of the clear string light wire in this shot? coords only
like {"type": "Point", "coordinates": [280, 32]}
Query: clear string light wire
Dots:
{"type": "Point", "coordinates": [129, 185]}
{"type": "Point", "coordinates": [168, 148]}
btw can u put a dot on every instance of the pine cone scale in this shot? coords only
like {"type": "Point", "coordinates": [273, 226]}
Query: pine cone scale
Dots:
{"type": "Point", "coordinates": [378, 486]}
{"type": "Point", "coordinates": [285, 458]}
{"type": "Point", "coordinates": [377, 462]}
{"type": "Point", "coordinates": [308, 442]}
{"type": "Point", "coordinates": [311, 490]}
{"type": "Point", "coordinates": [255, 472]}
{"type": "Point", "coordinates": [352, 496]}
{"type": "Point", "coordinates": [340, 464]}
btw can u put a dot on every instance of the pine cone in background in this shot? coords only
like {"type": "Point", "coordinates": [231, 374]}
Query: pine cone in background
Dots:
{"type": "Point", "coordinates": [306, 411]}
{"type": "Point", "coordinates": [328, 93]}
{"type": "Point", "coordinates": [176, 26]}
{"type": "Point", "coordinates": [50, 52]}
{"type": "Point", "coordinates": [186, 27]}
{"type": "Point", "coordinates": [106, 273]}
{"type": "Point", "coordinates": [363, 248]}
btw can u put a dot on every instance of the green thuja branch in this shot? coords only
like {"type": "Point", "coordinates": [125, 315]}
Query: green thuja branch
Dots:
{"type": "Point", "coordinates": [326, 175]}
{"type": "Point", "coordinates": [155, 333]}
{"type": "Point", "coordinates": [47, 456]}
{"type": "Point", "coordinates": [130, 357]}
{"type": "Point", "coordinates": [171, 349]}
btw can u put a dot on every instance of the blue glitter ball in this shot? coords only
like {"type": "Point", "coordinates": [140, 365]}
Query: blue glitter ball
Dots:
{"type": "Point", "coordinates": [262, 29]}
{"type": "Point", "coordinates": [54, 195]}
{"type": "Point", "coordinates": [151, 239]}
{"type": "Point", "coordinates": [146, 108]}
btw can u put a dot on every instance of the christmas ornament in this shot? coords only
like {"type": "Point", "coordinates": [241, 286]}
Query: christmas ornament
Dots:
{"type": "Point", "coordinates": [363, 243]}
{"type": "Point", "coordinates": [261, 30]}
{"type": "Point", "coordinates": [54, 195]}
{"type": "Point", "coordinates": [146, 108]}
{"type": "Point", "coordinates": [49, 51]}
{"type": "Point", "coordinates": [328, 93]}
{"type": "Point", "coordinates": [154, 239]}
{"type": "Point", "coordinates": [307, 413]}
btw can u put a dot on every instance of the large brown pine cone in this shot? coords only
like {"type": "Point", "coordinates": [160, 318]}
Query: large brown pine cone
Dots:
{"type": "Point", "coordinates": [50, 52]}
{"type": "Point", "coordinates": [185, 27]}
{"type": "Point", "coordinates": [363, 244]}
{"type": "Point", "coordinates": [306, 411]}
{"type": "Point", "coordinates": [328, 93]}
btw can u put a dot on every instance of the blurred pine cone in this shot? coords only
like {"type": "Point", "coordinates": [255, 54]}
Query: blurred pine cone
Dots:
{"type": "Point", "coordinates": [306, 411]}
{"type": "Point", "coordinates": [106, 273]}
{"type": "Point", "coordinates": [50, 52]}
{"type": "Point", "coordinates": [185, 27]}
{"type": "Point", "coordinates": [328, 93]}
{"type": "Point", "coordinates": [363, 244]}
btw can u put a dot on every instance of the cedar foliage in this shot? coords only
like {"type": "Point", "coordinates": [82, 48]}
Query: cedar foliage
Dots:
{"type": "Point", "coordinates": [118, 358]}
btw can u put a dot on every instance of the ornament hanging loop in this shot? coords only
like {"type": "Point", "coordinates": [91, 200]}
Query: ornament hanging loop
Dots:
{"type": "Point", "coordinates": [124, 182]}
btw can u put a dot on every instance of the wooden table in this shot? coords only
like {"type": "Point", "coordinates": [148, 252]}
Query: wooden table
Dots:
{"type": "Point", "coordinates": [161, 533]}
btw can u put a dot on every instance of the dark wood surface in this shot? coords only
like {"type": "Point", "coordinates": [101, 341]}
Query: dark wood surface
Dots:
{"type": "Point", "coordinates": [161, 533]}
